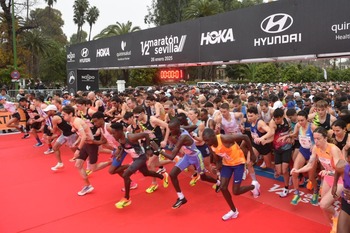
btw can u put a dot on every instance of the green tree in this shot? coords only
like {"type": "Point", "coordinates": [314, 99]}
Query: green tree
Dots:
{"type": "Point", "coordinates": [91, 17]}
{"type": "Point", "coordinates": [162, 12]}
{"type": "Point", "coordinates": [53, 66]}
{"type": "Point", "coordinates": [310, 73]}
{"type": "Point", "coordinates": [202, 8]}
{"type": "Point", "coordinates": [242, 71]}
{"type": "Point", "coordinates": [50, 24]}
{"type": "Point", "coordinates": [37, 44]}
{"type": "Point", "coordinates": [117, 29]}
{"type": "Point", "coordinates": [143, 77]}
{"type": "Point", "coordinates": [74, 38]}
{"type": "Point", "coordinates": [290, 73]}
{"type": "Point", "coordinates": [266, 72]}
{"type": "Point", "coordinates": [80, 8]}
{"type": "Point", "coordinates": [50, 4]}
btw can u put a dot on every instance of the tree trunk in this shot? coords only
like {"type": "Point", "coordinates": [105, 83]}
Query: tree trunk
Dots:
{"type": "Point", "coordinates": [90, 32]}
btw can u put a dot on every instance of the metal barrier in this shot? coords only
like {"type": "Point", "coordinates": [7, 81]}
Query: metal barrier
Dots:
{"type": "Point", "coordinates": [38, 92]}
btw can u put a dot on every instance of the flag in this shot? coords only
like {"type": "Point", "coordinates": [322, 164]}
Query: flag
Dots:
{"type": "Point", "coordinates": [324, 73]}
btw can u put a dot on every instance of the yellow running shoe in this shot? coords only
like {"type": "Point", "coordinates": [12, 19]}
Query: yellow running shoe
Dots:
{"type": "Point", "coordinates": [165, 180]}
{"type": "Point", "coordinates": [152, 188]}
{"type": "Point", "coordinates": [194, 180]}
{"type": "Point", "coordinates": [334, 225]}
{"type": "Point", "coordinates": [88, 172]}
{"type": "Point", "coordinates": [123, 203]}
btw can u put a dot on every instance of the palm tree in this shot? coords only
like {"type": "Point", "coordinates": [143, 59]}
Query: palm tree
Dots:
{"type": "Point", "coordinates": [80, 7]}
{"type": "Point", "coordinates": [38, 45]}
{"type": "Point", "coordinates": [117, 29]}
{"type": "Point", "coordinates": [202, 8]}
{"type": "Point", "coordinates": [50, 4]}
{"type": "Point", "coordinates": [91, 17]}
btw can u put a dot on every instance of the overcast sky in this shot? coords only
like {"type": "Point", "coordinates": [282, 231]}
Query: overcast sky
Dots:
{"type": "Point", "coordinates": [111, 11]}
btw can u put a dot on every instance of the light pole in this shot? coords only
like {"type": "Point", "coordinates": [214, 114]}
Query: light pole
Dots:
{"type": "Point", "coordinates": [14, 41]}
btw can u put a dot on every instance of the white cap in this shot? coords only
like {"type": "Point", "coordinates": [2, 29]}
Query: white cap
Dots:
{"type": "Point", "coordinates": [50, 107]}
{"type": "Point", "coordinates": [296, 94]}
{"type": "Point", "coordinates": [157, 92]}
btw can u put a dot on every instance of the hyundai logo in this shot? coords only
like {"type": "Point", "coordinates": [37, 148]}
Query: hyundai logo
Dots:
{"type": "Point", "coordinates": [71, 77]}
{"type": "Point", "coordinates": [276, 23]}
{"type": "Point", "coordinates": [85, 52]}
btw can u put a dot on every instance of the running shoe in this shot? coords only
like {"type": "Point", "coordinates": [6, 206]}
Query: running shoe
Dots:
{"type": "Point", "coordinates": [334, 225]}
{"type": "Point", "coordinates": [87, 189]}
{"type": "Point", "coordinates": [284, 193]}
{"type": "Point", "coordinates": [161, 170]}
{"type": "Point", "coordinates": [295, 199]}
{"type": "Point", "coordinates": [216, 187]}
{"type": "Point", "coordinates": [123, 203]}
{"type": "Point", "coordinates": [165, 180]}
{"type": "Point", "coordinates": [152, 188]}
{"type": "Point", "coordinates": [179, 202]}
{"type": "Point", "coordinates": [176, 159]}
{"type": "Point", "coordinates": [57, 167]}
{"type": "Point", "coordinates": [49, 151]}
{"type": "Point", "coordinates": [25, 136]}
{"type": "Point", "coordinates": [133, 185]}
{"type": "Point", "coordinates": [194, 180]}
{"type": "Point", "coordinates": [39, 144]}
{"type": "Point", "coordinates": [263, 165]}
{"type": "Point", "coordinates": [88, 172]}
{"type": "Point", "coordinates": [309, 185]}
{"type": "Point", "coordinates": [314, 200]}
{"type": "Point", "coordinates": [245, 173]}
{"type": "Point", "coordinates": [256, 190]}
{"type": "Point", "coordinates": [231, 214]}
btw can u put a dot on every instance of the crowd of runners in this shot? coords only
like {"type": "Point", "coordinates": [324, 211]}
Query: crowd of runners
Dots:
{"type": "Point", "coordinates": [298, 130]}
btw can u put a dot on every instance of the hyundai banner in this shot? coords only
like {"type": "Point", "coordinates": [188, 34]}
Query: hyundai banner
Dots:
{"type": "Point", "coordinates": [271, 30]}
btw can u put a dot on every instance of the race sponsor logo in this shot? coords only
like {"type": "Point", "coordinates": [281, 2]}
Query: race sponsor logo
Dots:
{"type": "Point", "coordinates": [125, 54]}
{"type": "Point", "coordinates": [84, 53]}
{"type": "Point", "coordinates": [88, 87]}
{"type": "Point", "coordinates": [217, 37]}
{"type": "Point", "coordinates": [71, 57]}
{"type": "Point", "coordinates": [71, 77]}
{"type": "Point", "coordinates": [276, 24]}
{"type": "Point", "coordinates": [341, 31]}
{"type": "Point", "coordinates": [103, 52]}
{"type": "Point", "coordinates": [87, 78]}
{"type": "Point", "coordinates": [161, 49]}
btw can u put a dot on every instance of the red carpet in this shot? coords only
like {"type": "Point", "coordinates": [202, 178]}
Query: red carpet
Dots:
{"type": "Point", "coordinates": [35, 199]}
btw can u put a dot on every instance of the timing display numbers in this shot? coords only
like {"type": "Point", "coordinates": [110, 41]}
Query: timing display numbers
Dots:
{"type": "Point", "coordinates": [171, 74]}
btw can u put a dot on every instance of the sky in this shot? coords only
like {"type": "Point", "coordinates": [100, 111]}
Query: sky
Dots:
{"type": "Point", "coordinates": [111, 11]}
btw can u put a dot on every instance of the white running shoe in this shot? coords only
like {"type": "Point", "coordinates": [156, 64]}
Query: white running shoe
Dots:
{"type": "Point", "coordinates": [245, 173]}
{"type": "Point", "coordinates": [49, 151]}
{"type": "Point", "coordinates": [87, 189]}
{"type": "Point", "coordinates": [57, 167]}
{"type": "Point", "coordinates": [230, 215]}
{"type": "Point", "coordinates": [284, 193]}
{"type": "Point", "coordinates": [263, 165]}
{"type": "Point", "coordinates": [256, 190]}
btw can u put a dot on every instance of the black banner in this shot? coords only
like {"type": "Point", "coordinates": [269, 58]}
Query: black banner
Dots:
{"type": "Point", "coordinates": [281, 30]}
